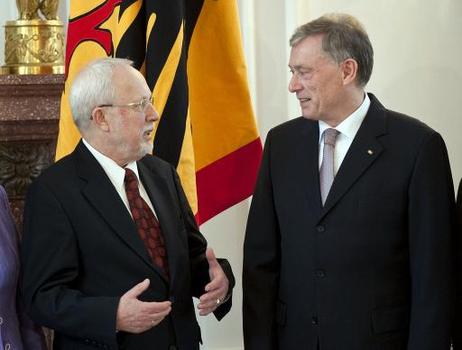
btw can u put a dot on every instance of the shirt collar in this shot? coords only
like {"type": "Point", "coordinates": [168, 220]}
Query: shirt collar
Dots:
{"type": "Point", "coordinates": [113, 170]}
{"type": "Point", "coordinates": [350, 125]}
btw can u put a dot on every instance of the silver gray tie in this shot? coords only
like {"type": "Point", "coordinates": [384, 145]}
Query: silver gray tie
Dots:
{"type": "Point", "coordinates": [326, 172]}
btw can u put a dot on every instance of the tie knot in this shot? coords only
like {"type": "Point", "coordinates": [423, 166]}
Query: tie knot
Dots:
{"type": "Point", "coordinates": [329, 136]}
{"type": "Point", "coordinates": [130, 180]}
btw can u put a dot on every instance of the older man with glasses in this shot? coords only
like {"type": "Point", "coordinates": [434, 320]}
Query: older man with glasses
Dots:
{"type": "Point", "coordinates": [112, 254]}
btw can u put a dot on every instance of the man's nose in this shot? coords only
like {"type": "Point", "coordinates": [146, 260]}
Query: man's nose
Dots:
{"type": "Point", "coordinates": [294, 83]}
{"type": "Point", "coordinates": [151, 113]}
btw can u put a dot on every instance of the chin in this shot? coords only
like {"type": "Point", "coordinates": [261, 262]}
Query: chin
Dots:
{"type": "Point", "coordinates": [146, 149]}
{"type": "Point", "coordinates": [308, 116]}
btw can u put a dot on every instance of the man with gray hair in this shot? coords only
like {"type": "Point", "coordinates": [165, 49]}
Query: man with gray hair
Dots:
{"type": "Point", "coordinates": [348, 240]}
{"type": "Point", "coordinates": [111, 253]}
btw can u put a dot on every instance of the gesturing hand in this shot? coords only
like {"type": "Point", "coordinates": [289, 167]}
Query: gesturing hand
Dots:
{"type": "Point", "coordinates": [216, 290]}
{"type": "Point", "coordinates": [137, 316]}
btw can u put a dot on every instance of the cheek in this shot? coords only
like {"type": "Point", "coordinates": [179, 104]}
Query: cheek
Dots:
{"type": "Point", "coordinates": [137, 132]}
{"type": "Point", "coordinates": [329, 88]}
{"type": "Point", "coordinates": [309, 84]}
{"type": "Point", "coordinates": [121, 125]}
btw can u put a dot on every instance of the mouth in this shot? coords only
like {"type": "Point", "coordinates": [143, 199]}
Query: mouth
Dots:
{"type": "Point", "coordinates": [304, 99]}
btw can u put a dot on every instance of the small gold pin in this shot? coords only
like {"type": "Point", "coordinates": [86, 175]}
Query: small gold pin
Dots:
{"type": "Point", "coordinates": [370, 152]}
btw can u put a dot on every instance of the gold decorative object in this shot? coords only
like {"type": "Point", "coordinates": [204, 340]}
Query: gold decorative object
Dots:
{"type": "Point", "coordinates": [34, 44]}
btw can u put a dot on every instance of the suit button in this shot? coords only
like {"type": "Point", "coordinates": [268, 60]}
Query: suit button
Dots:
{"type": "Point", "coordinates": [320, 228]}
{"type": "Point", "coordinates": [320, 273]}
{"type": "Point", "coordinates": [314, 321]}
{"type": "Point", "coordinates": [172, 347]}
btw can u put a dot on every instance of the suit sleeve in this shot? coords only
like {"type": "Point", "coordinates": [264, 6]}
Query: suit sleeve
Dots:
{"type": "Point", "coordinates": [261, 263]}
{"type": "Point", "coordinates": [50, 262]}
{"type": "Point", "coordinates": [431, 228]}
{"type": "Point", "coordinates": [198, 261]}
{"type": "Point", "coordinates": [457, 334]}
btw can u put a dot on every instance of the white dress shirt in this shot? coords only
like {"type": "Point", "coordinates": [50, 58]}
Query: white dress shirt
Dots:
{"type": "Point", "coordinates": [347, 131]}
{"type": "Point", "coordinates": [116, 175]}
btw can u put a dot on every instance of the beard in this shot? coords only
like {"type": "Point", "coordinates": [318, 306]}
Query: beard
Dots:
{"type": "Point", "coordinates": [146, 148]}
{"type": "Point", "coordinates": [130, 154]}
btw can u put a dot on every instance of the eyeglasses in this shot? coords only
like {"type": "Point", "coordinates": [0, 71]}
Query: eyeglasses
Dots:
{"type": "Point", "coordinates": [140, 106]}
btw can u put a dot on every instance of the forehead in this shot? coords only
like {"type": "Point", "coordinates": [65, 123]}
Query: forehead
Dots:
{"type": "Point", "coordinates": [129, 81]}
{"type": "Point", "coordinates": [307, 51]}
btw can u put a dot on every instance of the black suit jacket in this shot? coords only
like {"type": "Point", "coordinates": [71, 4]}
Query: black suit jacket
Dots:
{"type": "Point", "coordinates": [458, 254]}
{"type": "Point", "coordinates": [372, 268]}
{"type": "Point", "coordinates": [81, 252]}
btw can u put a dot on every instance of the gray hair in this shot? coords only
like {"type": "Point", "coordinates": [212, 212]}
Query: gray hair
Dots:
{"type": "Point", "coordinates": [94, 86]}
{"type": "Point", "coordinates": [343, 37]}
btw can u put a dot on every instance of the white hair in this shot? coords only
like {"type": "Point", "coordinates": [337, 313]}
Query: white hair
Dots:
{"type": "Point", "coordinates": [94, 86]}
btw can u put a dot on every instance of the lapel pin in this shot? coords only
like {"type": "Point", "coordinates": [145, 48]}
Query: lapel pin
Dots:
{"type": "Point", "coordinates": [370, 152]}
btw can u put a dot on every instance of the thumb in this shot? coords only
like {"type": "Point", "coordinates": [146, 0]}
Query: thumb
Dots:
{"type": "Point", "coordinates": [138, 289]}
{"type": "Point", "coordinates": [211, 259]}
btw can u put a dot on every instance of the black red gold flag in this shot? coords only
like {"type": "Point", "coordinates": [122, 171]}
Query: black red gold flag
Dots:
{"type": "Point", "coordinates": [191, 54]}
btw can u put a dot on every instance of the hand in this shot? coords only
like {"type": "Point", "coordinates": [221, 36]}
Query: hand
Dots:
{"type": "Point", "coordinates": [135, 316]}
{"type": "Point", "coordinates": [216, 290]}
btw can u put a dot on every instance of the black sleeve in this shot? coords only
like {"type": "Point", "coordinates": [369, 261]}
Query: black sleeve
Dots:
{"type": "Point", "coordinates": [457, 334]}
{"type": "Point", "coordinates": [50, 267]}
{"type": "Point", "coordinates": [198, 261]}
{"type": "Point", "coordinates": [431, 239]}
{"type": "Point", "coordinates": [261, 263]}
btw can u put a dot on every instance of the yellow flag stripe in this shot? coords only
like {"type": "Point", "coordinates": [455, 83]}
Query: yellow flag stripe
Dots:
{"type": "Point", "coordinates": [186, 167]}
{"type": "Point", "coordinates": [219, 69]}
{"type": "Point", "coordinates": [125, 21]}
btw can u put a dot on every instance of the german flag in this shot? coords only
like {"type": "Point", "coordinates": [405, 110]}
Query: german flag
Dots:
{"type": "Point", "coordinates": [191, 55]}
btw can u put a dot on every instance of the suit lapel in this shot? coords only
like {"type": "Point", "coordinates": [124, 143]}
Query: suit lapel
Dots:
{"type": "Point", "coordinates": [308, 161]}
{"type": "Point", "coordinates": [363, 152]}
{"type": "Point", "coordinates": [157, 188]}
{"type": "Point", "coordinates": [101, 194]}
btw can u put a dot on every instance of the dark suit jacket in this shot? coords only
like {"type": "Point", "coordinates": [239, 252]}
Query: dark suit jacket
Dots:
{"type": "Point", "coordinates": [372, 268]}
{"type": "Point", "coordinates": [81, 252]}
{"type": "Point", "coordinates": [458, 254]}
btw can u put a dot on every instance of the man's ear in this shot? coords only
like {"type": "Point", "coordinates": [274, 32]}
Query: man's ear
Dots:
{"type": "Point", "coordinates": [100, 118]}
{"type": "Point", "coordinates": [349, 70]}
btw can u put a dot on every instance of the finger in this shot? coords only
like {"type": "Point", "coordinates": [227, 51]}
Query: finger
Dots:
{"type": "Point", "coordinates": [212, 295]}
{"type": "Point", "coordinates": [162, 314]}
{"type": "Point", "coordinates": [211, 300]}
{"type": "Point", "coordinates": [205, 312]}
{"type": "Point", "coordinates": [156, 320]}
{"type": "Point", "coordinates": [148, 319]}
{"type": "Point", "coordinates": [154, 306]}
{"type": "Point", "coordinates": [157, 317]}
{"type": "Point", "coordinates": [138, 289]}
{"type": "Point", "coordinates": [215, 284]}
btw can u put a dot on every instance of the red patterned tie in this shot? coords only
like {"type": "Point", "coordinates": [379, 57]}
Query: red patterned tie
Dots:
{"type": "Point", "coordinates": [145, 221]}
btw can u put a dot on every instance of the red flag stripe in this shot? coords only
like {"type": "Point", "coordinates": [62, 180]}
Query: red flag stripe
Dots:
{"type": "Point", "coordinates": [87, 27]}
{"type": "Point", "coordinates": [228, 180]}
